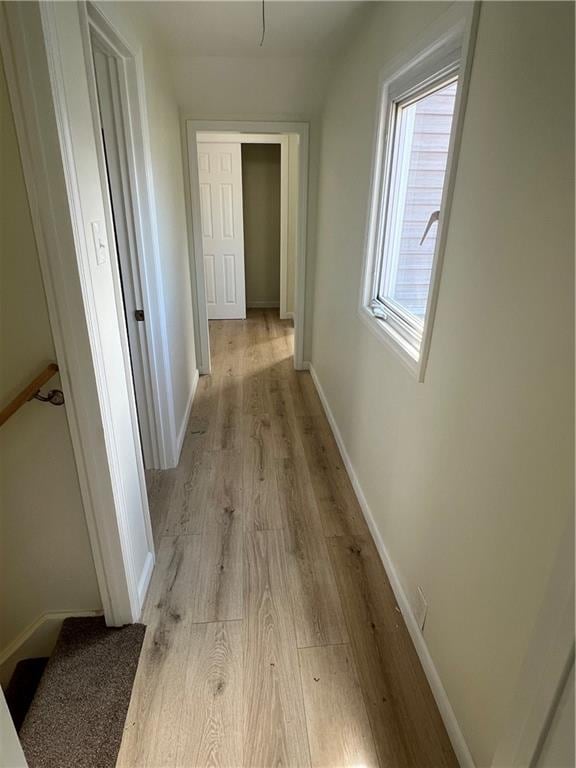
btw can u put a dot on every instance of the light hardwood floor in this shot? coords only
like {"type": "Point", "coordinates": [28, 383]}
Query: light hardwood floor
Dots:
{"type": "Point", "coordinates": [273, 639]}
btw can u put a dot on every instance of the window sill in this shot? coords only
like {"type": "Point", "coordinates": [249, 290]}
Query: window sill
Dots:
{"type": "Point", "coordinates": [409, 355]}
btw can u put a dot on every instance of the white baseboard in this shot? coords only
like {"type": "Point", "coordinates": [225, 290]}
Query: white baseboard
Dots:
{"type": "Point", "coordinates": [286, 315]}
{"type": "Point", "coordinates": [263, 304]}
{"type": "Point", "coordinates": [145, 577]}
{"type": "Point", "coordinates": [37, 639]}
{"type": "Point", "coordinates": [186, 419]}
{"type": "Point", "coordinates": [447, 713]}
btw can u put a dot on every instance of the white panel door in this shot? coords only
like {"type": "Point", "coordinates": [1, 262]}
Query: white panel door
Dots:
{"type": "Point", "coordinates": [220, 177]}
{"type": "Point", "coordinates": [108, 78]}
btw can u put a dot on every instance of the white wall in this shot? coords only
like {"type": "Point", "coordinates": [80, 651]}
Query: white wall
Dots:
{"type": "Point", "coordinates": [45, 556]}
{"type": "Point", "coordinates": [260, 88]}
{"type": "Point", "coordinates": [469, 475]}
{"type": "Point", "coordinates": [250, 88]}
{"type": "Point", "coordinates": [167, 168]}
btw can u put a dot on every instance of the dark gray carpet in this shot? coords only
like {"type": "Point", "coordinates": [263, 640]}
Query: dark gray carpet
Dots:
{"type": "Point", "coordinates": [77, 716]}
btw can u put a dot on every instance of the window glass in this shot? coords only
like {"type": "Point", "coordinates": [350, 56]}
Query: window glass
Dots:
{"type": "Point", "coordinates": [421, 137]}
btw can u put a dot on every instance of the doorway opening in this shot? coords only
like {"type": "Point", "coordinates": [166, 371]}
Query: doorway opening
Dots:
{"type": "Point", "coordinates": [248, 199]}
{"type": "Point", "coordinates": [248, 185]}
{"type": "Point", "coordinates": [261, 203]}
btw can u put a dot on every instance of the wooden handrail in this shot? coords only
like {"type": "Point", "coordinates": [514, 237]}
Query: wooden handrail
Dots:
{"type": "Point", "coordinates": [28, 392]}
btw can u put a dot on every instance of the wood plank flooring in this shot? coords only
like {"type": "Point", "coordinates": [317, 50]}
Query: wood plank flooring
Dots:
{"type": "Point", "coordinates": [274, 640]}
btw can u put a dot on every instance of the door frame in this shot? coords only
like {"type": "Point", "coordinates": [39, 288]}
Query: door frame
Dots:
{"type": "Point", "coordinates": [12, 753]}
{"type": "Point", "coordinates": [156, 402]}
{"type": "Point", "coordinates": [43, 48]}
{"type": "Point", "coordinates": [244, 127]}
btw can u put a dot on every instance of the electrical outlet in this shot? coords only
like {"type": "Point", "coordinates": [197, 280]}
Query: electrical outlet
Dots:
{"type": "Point", "coordinates": [421, 608]}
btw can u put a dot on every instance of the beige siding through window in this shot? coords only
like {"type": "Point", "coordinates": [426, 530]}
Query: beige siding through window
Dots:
{"type": "Point", "coordinates": [428, 158]}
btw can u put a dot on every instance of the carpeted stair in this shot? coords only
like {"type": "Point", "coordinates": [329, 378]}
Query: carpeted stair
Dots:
{"type": "Point", "coordinates": [77, 714]}
{"type": "Point", "coordinates": [22, 687]}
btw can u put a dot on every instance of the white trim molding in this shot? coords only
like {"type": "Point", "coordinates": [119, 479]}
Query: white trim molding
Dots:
{"type": "Point", "coordinates": [187, 412]}
{"type": "Point", "coordinates": [285, 182]}
{"type": "Point", "coordinates": [240, 138]}
{"type": "Point", "coordinates": [445, 708]}
{"type": "Point", "coordinates": [191, 129]}
{"type": "Point", "coordinates": [547, 663]}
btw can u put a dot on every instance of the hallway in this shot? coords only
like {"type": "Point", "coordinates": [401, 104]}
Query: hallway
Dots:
{"type": "Point", "coordinates": [273, 634]}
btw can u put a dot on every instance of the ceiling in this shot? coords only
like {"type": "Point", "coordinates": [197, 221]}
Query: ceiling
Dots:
{"type": "Point", "coordinates": [218, 28]}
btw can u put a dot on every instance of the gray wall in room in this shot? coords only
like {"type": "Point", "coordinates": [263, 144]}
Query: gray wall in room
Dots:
{"type": "Point", "coordinates": [261, 199]}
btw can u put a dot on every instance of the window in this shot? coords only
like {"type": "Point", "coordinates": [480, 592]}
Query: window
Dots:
{"type": "Point", "coordinates": [412, 167]}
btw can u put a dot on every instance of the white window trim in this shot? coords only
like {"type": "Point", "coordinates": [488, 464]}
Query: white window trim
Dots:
{"type": "Point", "coordinates": [451, 37]}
